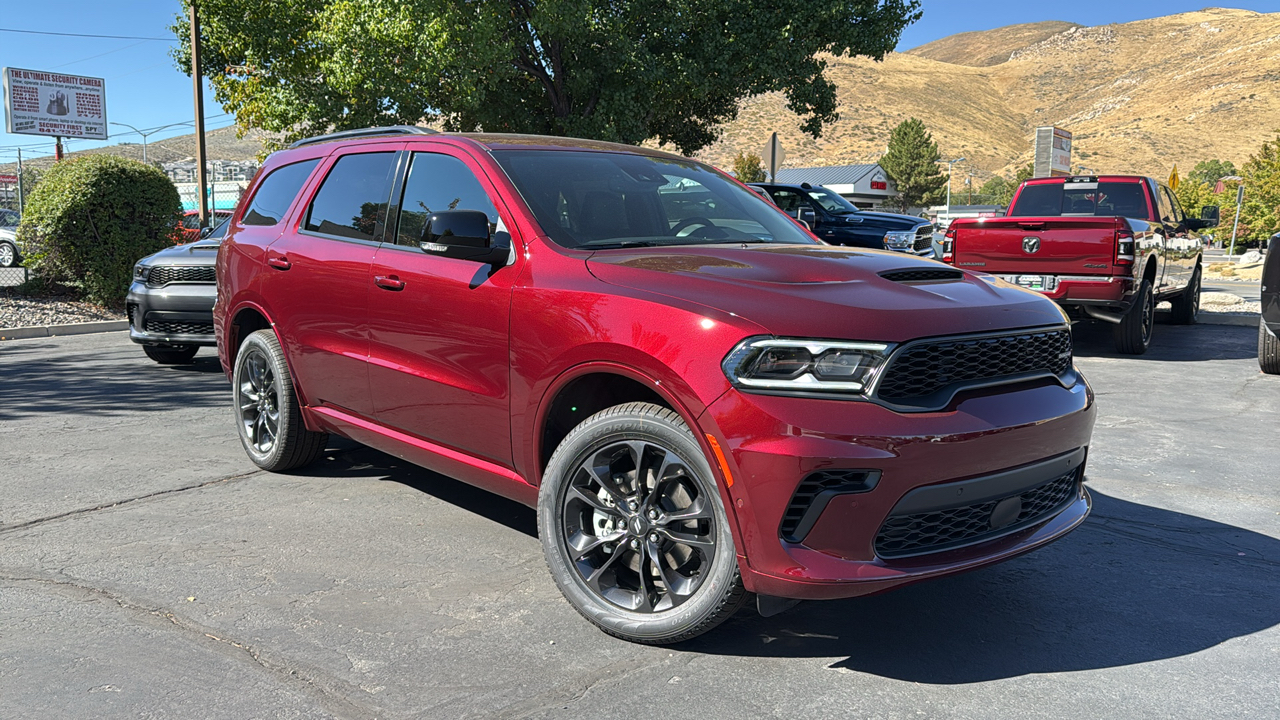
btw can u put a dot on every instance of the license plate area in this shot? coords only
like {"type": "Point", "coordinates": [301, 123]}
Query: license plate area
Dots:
{"type": "Point", "coordinates": [1039, 283]}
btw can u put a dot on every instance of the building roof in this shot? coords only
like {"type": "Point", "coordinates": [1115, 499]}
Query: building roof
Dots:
{"type": "Point", "coordinates": [834, 175]}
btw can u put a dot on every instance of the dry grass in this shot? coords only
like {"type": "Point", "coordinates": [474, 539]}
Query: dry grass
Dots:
{"type": "Point", "coordinates": [1139, 96]}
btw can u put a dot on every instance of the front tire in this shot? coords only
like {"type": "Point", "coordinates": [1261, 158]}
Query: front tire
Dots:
{"type": "Point", "coordinates": [1186, 307]}
{"type": "Point", "coordinates": [1268, 350]}
{"type": "Point", "coordinates": [8, 255]}
{"type": "Point", "coordinates": [634, 530]}
{"type": "Point", "coordinates": [171, 354]}
{"type": "Point", "coordinates": [267, 410]}
{"type": "Point", "coordinates": [1133, 334]}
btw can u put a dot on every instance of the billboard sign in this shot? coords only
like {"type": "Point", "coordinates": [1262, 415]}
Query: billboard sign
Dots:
{"type": "Point", "coordinates": [1053, 152]}
{"type": "Point", "coordinates": [46, 103]}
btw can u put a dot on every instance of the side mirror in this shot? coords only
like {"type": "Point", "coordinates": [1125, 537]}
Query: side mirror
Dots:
{"type": "Point", "coordinates": [464, 235]}
{"type": "Point", "coordinates": [807, 216]}
{"type": "Point", "coordinates": [1210, 213]}
{"type": "Point", "coordinates": [204, 232]}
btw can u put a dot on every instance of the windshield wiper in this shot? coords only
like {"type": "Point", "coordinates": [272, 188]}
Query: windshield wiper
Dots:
{"type": "Point", "coordinates": [618, 244]}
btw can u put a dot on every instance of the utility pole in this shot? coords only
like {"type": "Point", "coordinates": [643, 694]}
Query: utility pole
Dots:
{"type": "Point", "coordinates": [197, 80]}
{"type": "Point", "coordinates": [21, 202]}
{"type": "Point", "coordinates": [57, 148]}
{"type": "Point", "coordinates": [949, 164]}
{"type": "Point", "coordinates": [969, 181]}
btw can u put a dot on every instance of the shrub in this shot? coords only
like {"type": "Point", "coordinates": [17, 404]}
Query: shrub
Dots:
{"type": "Point", "coordinates": [92, 218]}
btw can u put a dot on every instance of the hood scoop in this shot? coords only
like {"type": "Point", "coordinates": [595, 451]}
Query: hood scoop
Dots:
{"type": "Point", "coordinates": [915, 275]}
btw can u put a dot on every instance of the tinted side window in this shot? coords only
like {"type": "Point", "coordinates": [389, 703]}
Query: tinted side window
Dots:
{"type": "Point", "coordinates": [1166, 210]}
{"type": "Point", "coordinates": [1175, 210]}
{"type": "Point", "coordinates": [277, 192]}
{"type": "Point", "coordinates": [352, 201]}
{"type": "Point", "coordinates": [438, 182]}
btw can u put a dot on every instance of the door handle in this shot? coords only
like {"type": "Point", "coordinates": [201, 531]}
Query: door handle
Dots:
{"type": "Point", "coordinates": [389, 282]}
{"type": "Point", "coordinates": [279, 263]}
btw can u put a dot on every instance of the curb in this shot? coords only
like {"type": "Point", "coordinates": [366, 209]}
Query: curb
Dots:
{"type": "Point", "coordinates": [23, 333]}
{"type": "Point", "coordinates": [1209, 318]}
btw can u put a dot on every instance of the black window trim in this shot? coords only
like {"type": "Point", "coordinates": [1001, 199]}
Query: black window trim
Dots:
{"type": "Point", "coordinates": [288, 211]}
{"type": "Point", "coordinates": [331, 161]}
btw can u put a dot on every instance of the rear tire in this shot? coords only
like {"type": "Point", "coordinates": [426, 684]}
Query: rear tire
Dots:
{"type": "Point", "coordinates": [1186, 307]}
{"type": "Point", "coordinates": [266, 407]}
{"type": "Point", "coordinates": [1268, 350]}
{"type": "Point", "coordinates": [1133, 334]}
{"type": "Point", "coordinates": [171, 354]}
{"type": "Point", "coordinates": [634, 530]}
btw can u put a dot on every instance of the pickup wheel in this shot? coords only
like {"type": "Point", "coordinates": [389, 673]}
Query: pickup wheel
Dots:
{"type": "Point", "coordinates": [634, 530]}
{"type": "Point", "coordinates": [1186, 307]}
{"type": "Point", "coordinates": [266, 407]}
{"type": "Point", "coordinates": [1268, 350]}
{"type": "Point", "coordinates": [1133, 334]}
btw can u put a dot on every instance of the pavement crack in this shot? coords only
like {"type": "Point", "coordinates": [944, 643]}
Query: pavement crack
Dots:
{"type": "Point", "coordinates": [565, 695]}
{"type": "Point", "coordinates": [330, 692]}
{"type": "Point", "coordinates": [116, 503]}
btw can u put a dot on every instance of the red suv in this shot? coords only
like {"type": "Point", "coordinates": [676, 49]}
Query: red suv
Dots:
{"type": "Point", "coordinates": [699, 398]}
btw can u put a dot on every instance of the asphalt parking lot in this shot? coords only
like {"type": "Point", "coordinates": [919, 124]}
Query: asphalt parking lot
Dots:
{"type": "Point", "coordinates": [147, 570]}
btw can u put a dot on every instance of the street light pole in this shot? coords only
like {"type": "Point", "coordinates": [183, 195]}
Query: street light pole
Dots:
{"type": "Point", "coordinates": [949, 164]}
{"type": "Point", "coordinates": [146, 133]}
{"type": "Point", "coordinates": [1239, 202]}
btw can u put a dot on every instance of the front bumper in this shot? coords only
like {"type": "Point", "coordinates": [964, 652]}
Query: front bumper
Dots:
{"type": "Point", "coordinates": [1033, 433]}
{"type": "Point", "coordinates": [175, 314]}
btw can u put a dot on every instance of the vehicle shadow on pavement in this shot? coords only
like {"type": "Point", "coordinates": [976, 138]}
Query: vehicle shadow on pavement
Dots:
{"type": "Point", "coordinates": [1134, 584]}
{"type": "Point", "coordinates": [345, 458]}
{"type": "Point", "coordinates": [1186, 343]}
{"type": "Point", "coordinates": [84, 383]}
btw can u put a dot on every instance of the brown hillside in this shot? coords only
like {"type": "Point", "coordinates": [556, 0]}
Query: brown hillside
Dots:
{"type": "Point", "coordinates": [990, 47]}
{"type": "Point", "coordinates": [1139, 97]}
{"type": "Point", "coordinates": [220, 144]}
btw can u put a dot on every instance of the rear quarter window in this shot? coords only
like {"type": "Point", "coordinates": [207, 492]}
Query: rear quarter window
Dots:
{"type": "Point", "coordinates": [276, 193]}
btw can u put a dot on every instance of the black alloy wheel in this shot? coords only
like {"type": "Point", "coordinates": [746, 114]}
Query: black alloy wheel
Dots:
{"type": "Point", "coordinates": [1133, 334]}
{"type": "Point", "coordinates": [638, 530]}
{"type": "Point", "coordinates": [634, 528]}
{"type": "Point", "coordinates": [1186, 307]}
{"type": "Point", "coordinates": [266, 408]}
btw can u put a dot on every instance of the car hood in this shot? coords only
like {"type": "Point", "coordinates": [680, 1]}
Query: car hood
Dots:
{"type": "Point", "coordinates": [888, 221]}
{"type": "Point", "coordinates": [825, 291]}
{"type": "Point", "coordinates": [200, 252]}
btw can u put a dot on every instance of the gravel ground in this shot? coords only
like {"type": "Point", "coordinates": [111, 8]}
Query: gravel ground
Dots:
{"type": "Point", "coordinates": [1221, 302]}
{"type": "Point", "coordinates": [20, 311]}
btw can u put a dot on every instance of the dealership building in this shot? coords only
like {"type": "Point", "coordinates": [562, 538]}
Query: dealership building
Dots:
{"type": "Point", "coordinates": [867, 186]}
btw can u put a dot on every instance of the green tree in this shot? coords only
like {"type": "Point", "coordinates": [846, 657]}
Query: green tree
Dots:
{"type": "Point", "coordinates": [1260, 216]}
{"type": "Point", "coordinates": [912, 164]}
{"type": "Point", "coordinates": [997, 191]}
{"type": "Point", "coordinates": [90, 219]}
{"type": "Point", "coordinates": [621, 70]}
{"type": "Point", "coordinates": [1025, 173]}
{"type": "Point", "coordinates": [1209, 171]}
{"type": "Point", "coordinates": [748, 167]}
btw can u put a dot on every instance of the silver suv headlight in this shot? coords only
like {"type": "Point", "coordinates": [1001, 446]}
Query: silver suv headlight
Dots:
{"type": "Point", "coordinates": [899, 240]}
{"type": "Point", "coordinates": [140, 271]}
{"type": "Point", "coordinates": [805, 366]}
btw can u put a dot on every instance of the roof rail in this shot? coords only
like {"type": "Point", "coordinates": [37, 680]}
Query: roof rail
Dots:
{"type": "Point", "coordinates": [364, 132]}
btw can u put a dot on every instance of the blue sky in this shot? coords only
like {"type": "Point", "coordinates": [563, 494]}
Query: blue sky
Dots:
{"type": "Point", "coordinates": [146, 90]}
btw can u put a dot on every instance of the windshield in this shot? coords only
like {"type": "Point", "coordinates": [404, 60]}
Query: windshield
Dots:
{"type": "Point", "coordinates": [1081, 199]}
{"type": "Point", "coordinates": [595, 200]}
{"type": "Point", "coordinates": [832, 202]}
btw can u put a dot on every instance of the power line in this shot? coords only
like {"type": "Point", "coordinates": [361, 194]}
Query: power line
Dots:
{"type": "Point", "coordinates": [84, 35]}
{"type": "Point", "coordinates": [73, 62]}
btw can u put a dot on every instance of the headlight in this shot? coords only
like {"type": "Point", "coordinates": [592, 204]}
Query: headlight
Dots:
{"type": "Point", "coordinates": [903, 239]}
{"type": "Point", "coordinates": [807, 366]}
{"type": "Point", "coordinates": [140, 271]}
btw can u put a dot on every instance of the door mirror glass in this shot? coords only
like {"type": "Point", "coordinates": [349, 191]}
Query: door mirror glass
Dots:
{"type": "Point", "coordinates": [464, 235]}
{"type": "Point", "coordinates": [1210, 213]}
{"type": "Point", "coordinates": [807, 216]}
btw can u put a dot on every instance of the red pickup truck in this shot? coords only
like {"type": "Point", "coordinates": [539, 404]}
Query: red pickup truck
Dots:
{"type": "Point", "coordinates": [1110, 248]}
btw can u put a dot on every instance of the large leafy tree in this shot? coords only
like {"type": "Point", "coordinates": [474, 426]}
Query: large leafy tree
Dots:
{"type": "Point", "coordinates": [912, 163]}
{"type": "Point", "coordinates": [1209, 171]}
{"type": "Point", "coordinates": [748, 167]}
{"type": "Point", "coordinates": [623, 70]}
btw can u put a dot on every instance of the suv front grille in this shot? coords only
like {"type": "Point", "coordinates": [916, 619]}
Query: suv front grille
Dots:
{"type": "Point", "coordinates": [179, 327]}
{"type": "Point", "coordinates": [925, 367]}
{"type": "Point", "coordinates": [924, 238]}
{"type": "Point", "coordinates": [165, 274]}
{"type": "Point", "coordinates": [938, 530]}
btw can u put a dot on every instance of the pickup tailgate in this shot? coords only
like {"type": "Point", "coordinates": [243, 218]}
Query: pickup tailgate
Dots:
{"type": "Point", "coordinates": [1044, 246]}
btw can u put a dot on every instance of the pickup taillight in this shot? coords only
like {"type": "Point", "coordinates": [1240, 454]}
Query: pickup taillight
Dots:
{"type": "Point", "coordinates": [949, 244]}
{"type": "Point", "coordinates": [1124, 247]}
